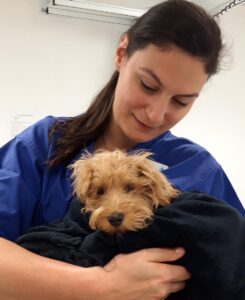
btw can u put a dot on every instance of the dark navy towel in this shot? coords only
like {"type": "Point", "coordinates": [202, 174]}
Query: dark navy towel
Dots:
{"type": "Point", "coordinates": [212, 233]}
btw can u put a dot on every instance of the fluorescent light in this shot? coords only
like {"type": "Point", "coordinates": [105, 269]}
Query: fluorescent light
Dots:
{"type": "Point", "coordinates": [91, 10]}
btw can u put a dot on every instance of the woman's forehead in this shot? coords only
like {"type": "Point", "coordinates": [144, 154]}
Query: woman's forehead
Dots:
{"type": "Point", "coordinates": [170, 67]}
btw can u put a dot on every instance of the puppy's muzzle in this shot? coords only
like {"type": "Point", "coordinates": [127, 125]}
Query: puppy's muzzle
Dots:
{"type": "Point", "coordinates": [115, 219]}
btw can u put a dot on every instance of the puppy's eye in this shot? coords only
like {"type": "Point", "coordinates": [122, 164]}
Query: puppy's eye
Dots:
{"type": "Point", "coordinates": [100, 191]}
{"type": "Point", "coordinates": [128, 188]}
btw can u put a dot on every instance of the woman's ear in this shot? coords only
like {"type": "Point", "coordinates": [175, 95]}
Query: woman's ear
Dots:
{"type": "Point", "coordinates": [121, 52]}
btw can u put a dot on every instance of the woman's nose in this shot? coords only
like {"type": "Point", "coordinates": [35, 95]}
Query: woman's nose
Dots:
{"type": "Point", "coordinates": [156, 110]}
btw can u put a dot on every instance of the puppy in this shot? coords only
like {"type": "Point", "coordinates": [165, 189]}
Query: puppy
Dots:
{"type": "Point", "coordinates": [120, 191]}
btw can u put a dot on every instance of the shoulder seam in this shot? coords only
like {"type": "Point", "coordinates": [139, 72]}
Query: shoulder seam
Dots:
{"type": "Point", "coordinates": [213, 168]}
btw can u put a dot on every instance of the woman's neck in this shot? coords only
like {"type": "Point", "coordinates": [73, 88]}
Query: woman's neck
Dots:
{"type": "Point", "coordinates": [111, 140]}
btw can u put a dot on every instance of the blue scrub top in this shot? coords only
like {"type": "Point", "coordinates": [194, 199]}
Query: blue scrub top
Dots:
{"type": "Point", "coordinates": [33, 194]}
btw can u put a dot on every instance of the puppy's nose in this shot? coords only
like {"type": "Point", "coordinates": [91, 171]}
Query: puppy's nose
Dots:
{"type": "Point", "coordinates": [115, 219]}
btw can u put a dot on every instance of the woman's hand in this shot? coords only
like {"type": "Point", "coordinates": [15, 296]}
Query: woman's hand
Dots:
{"type": "Point", "coordinates": [144, 275]}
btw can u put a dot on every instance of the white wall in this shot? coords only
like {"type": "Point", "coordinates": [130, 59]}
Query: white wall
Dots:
{"type": "Point", "coordinates": [217, 120]}
{"type": "Point", "coordinates": [50, 65]}
{"type": "Point", "coordinates": [55, 65]}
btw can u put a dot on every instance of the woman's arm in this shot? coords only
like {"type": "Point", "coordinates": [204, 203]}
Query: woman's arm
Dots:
{"type": "Point", "coordinates": [24, 275]}
{"type": "Point", "coordinates": [140, 275]}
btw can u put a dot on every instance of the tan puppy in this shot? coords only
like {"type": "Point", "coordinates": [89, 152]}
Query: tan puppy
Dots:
{"type": "Point", "coordinates": [120, 190]}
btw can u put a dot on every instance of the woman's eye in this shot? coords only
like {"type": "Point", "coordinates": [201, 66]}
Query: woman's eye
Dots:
{"type": "Point", "coordinates": [178, 102]}
{"type": "Point", "coordinates": [147, 88]}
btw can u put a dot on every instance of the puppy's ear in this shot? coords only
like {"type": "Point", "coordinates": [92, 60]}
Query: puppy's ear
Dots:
{"type": "Point", "coordinates": [82, 172]}
{"type": "Point", "coordinates": [158, 188]}
{"type": "Point", "coordinates": [163, 191]}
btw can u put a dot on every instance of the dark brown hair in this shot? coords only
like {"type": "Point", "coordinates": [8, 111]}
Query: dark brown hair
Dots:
{"type": "Point", "coordinates": [173, 23]}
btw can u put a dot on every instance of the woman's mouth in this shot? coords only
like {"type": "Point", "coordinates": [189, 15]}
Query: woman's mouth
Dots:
{"type": "Point", "coordinates": [142, 125]}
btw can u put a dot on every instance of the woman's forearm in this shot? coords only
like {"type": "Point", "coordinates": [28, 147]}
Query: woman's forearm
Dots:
{"type": "Point", "coordinates": [24, 276]}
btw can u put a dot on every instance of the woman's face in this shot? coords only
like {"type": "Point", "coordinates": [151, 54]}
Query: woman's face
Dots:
{"type": "Point", "coordinates": [155, 90]}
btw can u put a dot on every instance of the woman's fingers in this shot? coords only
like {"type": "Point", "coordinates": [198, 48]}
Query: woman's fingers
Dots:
{"type": "Point", "coordinates": [174, 273]}
{"type": "Point", "coordinates": [172, 288]}
{"type": "Point", "coordinates": [163, 255]}
{"type": "Point", "coordinates": [176, 286]}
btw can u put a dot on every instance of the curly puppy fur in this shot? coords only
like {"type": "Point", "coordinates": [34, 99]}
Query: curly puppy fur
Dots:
{"type": "Point", "coordinates": [119, 190]}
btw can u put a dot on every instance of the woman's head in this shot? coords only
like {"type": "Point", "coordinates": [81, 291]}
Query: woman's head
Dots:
{"type": "Point", "coordinates": [163, 61]}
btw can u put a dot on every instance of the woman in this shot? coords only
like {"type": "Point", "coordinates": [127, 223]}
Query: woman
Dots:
{"type": "Point", "coordinates": [162, 63]}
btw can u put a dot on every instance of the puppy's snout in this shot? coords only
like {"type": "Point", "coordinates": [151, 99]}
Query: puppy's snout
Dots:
{"type": "Point", "coordinates": [115, 219]}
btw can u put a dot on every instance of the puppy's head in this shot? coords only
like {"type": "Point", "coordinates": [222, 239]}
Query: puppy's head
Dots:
{"type": "Point", "coordinates": [119, 190]}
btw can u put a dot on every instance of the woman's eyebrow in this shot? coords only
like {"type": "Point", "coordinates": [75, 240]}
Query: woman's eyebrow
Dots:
{"type": "Point", "coordinates": [154, 76]}
{"type": "Point", "coordinates": [195, 95]}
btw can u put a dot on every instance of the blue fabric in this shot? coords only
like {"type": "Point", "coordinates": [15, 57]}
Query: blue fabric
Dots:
{"type": "Point", "coordinates": [32, 194]}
